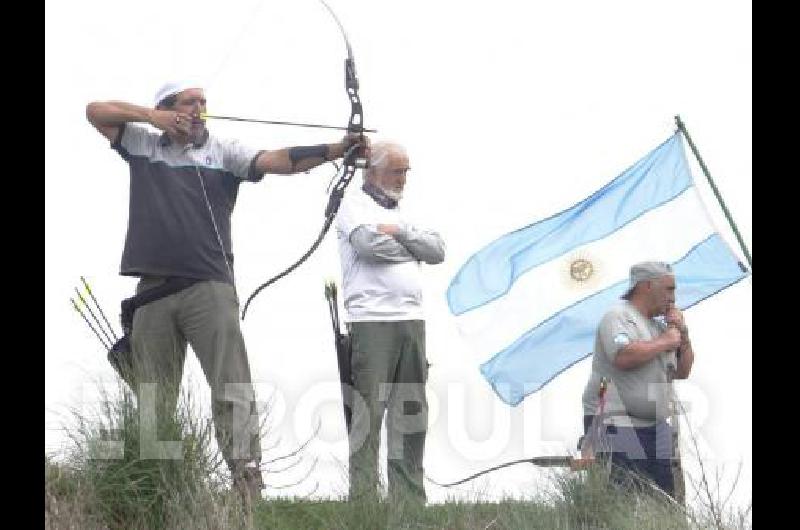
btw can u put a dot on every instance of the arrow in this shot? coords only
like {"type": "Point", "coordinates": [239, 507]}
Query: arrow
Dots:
{"type": "Point", "coordinates": [271, 122]}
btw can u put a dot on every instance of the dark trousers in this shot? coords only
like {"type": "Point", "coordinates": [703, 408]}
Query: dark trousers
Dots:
{"type": "Point", "coordinates": [644, 452]}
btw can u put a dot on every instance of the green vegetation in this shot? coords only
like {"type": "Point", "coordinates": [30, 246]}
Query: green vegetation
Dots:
{"type": "Point", "coordinates": [103, 483]}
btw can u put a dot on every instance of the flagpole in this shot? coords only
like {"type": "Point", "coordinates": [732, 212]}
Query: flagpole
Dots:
{"type": "Point", "coordinates": [682, 128]}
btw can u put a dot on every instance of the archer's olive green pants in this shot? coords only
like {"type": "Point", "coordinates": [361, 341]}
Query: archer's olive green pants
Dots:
{"type": "Point", "coordinates": [389, 374]}
{"type": "Point", "coordinates": [206, 316]}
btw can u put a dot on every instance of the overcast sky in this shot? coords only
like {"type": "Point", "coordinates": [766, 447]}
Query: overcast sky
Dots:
{"type": "Point", "coordinates": [510, 111]}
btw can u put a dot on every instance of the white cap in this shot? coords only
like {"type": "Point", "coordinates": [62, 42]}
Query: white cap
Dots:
{"type": "Point", "coordinates": [174, 87]}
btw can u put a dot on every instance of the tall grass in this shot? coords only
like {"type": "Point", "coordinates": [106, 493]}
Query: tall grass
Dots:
{"type": "Point", "coordinates": [103, 482]}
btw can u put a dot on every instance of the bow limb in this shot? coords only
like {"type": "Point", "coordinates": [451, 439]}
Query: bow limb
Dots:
{"type": "Point", "coordinates": [356, 122]}
{"type": "Point", "coordinates": [330, 213]}
{"type": "Point", "coordinates": [350, 160]}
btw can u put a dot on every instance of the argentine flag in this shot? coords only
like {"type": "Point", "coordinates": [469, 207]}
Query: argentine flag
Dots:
{"type": "Point", "coordinates": [530, 301]}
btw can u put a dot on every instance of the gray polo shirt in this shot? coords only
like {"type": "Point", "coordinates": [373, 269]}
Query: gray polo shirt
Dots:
{"type": "Point", "coordinates": [170, 229]}
{"type": "Point", "coordinates": [637, 397]}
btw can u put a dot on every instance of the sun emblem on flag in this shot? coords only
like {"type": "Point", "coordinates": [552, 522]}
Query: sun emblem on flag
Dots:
{"type": "Point", "coordinates": [581, 270]}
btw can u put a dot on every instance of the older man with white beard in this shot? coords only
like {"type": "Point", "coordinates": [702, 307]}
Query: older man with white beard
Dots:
{"type": "Point", "coordinates": [381, 253]}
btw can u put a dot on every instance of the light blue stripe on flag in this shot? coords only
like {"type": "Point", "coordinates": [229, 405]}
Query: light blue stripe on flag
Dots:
{"type": "Point", "coordinates": [566, 337]}
{"type": "Point", "coordinates": [654, 180]}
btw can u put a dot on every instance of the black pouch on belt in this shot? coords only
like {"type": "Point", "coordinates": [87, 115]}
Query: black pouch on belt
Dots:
{"type": "Point", "coordinates": [120, 353]}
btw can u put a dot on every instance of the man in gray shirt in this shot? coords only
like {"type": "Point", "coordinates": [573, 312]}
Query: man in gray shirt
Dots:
{"type": "Point", "coordinates": [641, 345]}
{"type": "Point", "coordinates": [183, 187]}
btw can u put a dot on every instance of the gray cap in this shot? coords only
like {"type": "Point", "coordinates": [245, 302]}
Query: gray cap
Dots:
{"type": "Point", "coordinates": [647, 270]}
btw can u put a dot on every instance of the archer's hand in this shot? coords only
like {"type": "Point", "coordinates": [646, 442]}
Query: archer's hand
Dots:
{"type": "Point", "coordinates": [354, 138]}
{"type": "Point", "coordinates": [176, 124]}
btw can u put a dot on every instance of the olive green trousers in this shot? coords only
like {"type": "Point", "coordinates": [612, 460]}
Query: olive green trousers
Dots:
{"type": "Point", "coordinates": [206, 317]}
{"type": "Point", "coordinates": [389, 374]}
